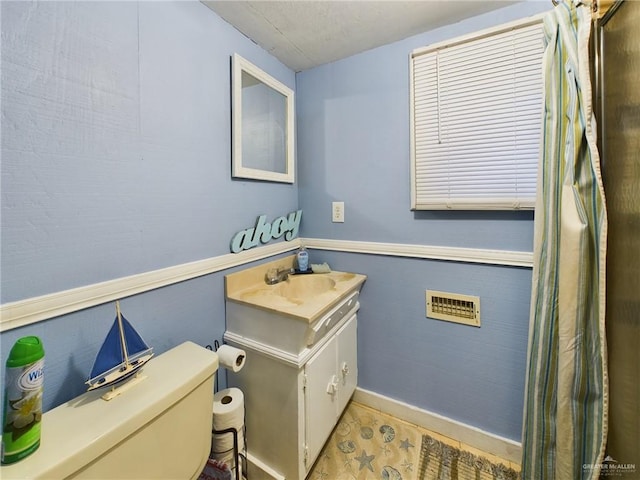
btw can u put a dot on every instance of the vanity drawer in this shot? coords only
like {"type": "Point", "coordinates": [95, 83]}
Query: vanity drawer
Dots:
{"type": "Point", "coordinates": [320, 328]}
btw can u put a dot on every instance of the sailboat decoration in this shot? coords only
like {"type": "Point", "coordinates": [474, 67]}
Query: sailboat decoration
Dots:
{"type": "Point", "coordinates": [122, 354]}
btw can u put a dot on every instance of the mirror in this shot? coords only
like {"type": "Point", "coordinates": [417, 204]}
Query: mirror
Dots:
{"type": "Point", "coordinates": [263, 125]}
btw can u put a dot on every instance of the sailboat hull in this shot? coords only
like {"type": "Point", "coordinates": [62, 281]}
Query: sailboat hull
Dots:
{"type": "Point", "coordinates": [119, 374]}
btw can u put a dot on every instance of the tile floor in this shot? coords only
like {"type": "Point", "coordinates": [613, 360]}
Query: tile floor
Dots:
{"type": "Point", "coordinates": [368, 444]}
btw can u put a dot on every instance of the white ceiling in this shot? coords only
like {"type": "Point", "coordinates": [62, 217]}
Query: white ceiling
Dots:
{"type": "Point", "coordinates": [306, 33]}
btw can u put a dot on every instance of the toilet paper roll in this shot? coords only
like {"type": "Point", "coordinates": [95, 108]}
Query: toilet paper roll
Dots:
{"type": "Point", "coordinates": [222, 443]}
{"type": "Point", "coordinates": [231, 358]}
{"type": "Point", "coordinates": [228, 412]}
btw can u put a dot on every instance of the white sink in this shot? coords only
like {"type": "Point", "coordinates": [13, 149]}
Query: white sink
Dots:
{"type": "Point", "coordinates": [301, 287]}
{"type": "Point", "coordinates": [296, 290]}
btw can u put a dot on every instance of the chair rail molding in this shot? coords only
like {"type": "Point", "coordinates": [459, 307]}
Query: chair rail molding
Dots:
{"type": "Point", "coordinates": [35, 309]}
{"type": "Point", "coordinates": [454, 254]}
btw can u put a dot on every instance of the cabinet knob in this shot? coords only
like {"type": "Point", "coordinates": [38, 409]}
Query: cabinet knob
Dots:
{"type": "Point", "coordinates": [345, 369]}
{"type": "Point", "coordinates": [332, 388]}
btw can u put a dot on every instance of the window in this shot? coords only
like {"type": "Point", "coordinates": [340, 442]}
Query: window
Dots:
{"type": "Point", "coordinates": [476, 106]}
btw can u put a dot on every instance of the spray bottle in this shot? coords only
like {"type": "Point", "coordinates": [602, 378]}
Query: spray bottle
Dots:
{"type": "Point", "coordinates": [22, 412]}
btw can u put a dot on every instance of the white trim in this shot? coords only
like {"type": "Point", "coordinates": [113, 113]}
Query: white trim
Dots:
{"type": "Point", "coordinates": [240, 65]}
{"type": "Point", "coordinates": [35, 309]}
{"type": "Point", "coordinates": [412, 131]}
{"type": "Point", "coordinates": [504, 448]}
{"type": "Point", "coordinates": [288, 358]}
{"type": "Point", "coordinates": [454, 254]}
{"type": "Point", "coordinates": [274, 353]}
{"type": "Point", "coordinates": [31, 310]}
{"type": "Point", "coordinates": [505, 27]}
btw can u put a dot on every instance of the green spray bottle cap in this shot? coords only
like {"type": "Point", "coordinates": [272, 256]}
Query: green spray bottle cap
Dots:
{"type": "Point", "coordinates": [25, 351]}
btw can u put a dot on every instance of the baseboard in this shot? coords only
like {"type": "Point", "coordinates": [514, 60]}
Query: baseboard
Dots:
{"type": "Point", "coordinates": [258, 470]}
{"type": "Point", "coordinates": [485, 441]}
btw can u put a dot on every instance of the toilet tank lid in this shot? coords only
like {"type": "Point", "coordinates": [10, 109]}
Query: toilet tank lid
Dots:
{"type": "Point", "coordinates": [80, 430]}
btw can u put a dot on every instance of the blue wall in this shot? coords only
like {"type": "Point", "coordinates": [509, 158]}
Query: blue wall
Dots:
{"type": "Point", "coordinates": [116, 161]}
{"type": "Point", "coordinates": [353, 146]}
{"type": "Point", "coordinates": [116, 140]}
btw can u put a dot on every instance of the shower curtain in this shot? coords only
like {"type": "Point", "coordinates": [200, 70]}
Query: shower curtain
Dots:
{"type": "Point", "coordinates": [619, 132]}
{"type": "Point", "coordinates": [565, 408]}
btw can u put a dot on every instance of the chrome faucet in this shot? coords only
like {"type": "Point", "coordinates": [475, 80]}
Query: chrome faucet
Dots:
{"type": "Point", "coordinates": [275, 275]}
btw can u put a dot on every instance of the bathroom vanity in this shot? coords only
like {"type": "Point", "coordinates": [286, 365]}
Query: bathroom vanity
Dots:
{"type": "Point", "coordinates": [300, 336]}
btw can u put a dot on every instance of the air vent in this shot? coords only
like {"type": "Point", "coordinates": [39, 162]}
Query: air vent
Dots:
{"type": "Point", "coordinates": [453, 307]}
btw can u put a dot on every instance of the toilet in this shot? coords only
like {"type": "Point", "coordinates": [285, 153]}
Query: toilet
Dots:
{"type": "Point", "coordinates": [159, 428]}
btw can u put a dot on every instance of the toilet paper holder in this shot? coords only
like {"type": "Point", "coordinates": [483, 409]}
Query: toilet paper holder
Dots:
{"type": "Point", "coordinates": [229, 358]}
{"type": "Point", "coordinates": [237, 455]}
{"type": "Point", "coordinates": [240, 459]}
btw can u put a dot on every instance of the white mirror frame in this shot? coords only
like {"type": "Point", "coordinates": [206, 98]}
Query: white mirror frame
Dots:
{"type": "Point", "coordinates": [239, 165]}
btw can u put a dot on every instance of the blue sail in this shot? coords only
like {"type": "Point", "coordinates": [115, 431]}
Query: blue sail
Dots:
{"type": "Point", "coordinates": [112, 365]}
{"type": "Point", "coordinates": [135, 344]}
{"type": "Point", "coordinates": [110, 354]}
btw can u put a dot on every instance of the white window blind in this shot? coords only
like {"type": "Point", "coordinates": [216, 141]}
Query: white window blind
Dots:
{"type": "Point", "coordinates": [476, 121]}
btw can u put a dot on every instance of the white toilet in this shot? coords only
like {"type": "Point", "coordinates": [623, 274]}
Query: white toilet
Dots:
{"type": "Point", "coordinates": [160, 428]}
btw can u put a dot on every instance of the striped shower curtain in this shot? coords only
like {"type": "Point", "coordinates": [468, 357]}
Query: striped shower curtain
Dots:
{"type": "Point", "coordinates": [565, 407]}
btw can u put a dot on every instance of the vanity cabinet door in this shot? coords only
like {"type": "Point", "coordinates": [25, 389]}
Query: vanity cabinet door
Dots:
{"type": "Point", "coordinates": [331, 378]}
{"type": "Point", "coordinates": [320, 399]}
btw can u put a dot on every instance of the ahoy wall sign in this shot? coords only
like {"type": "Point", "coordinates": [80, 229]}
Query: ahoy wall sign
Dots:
{"type": "Point", "coordinates": [264, 232]}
